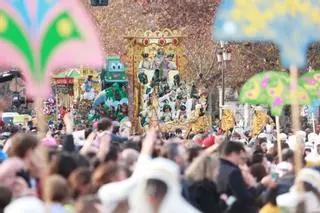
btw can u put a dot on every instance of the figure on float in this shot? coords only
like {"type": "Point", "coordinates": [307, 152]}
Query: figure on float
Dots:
{"type": "Point", "coordinates": [87, 88]}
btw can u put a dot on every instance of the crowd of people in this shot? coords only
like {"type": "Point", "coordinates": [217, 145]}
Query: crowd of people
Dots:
{"type": "Point", "coordinates": [111, 170]}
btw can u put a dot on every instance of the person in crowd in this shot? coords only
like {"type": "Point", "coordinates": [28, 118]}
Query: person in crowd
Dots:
{"type": "Point", "coordinates": [80, 182]}
{"type": "Point", "coordinates": [201, 176]}
{"type": "Point", "coordinates": [25, 147]}
{"type": "Point", "coordinates": [306, 201]}
{"type": "Point", "coordinates": [159, 189]}
{"type": "Point", "coordinates": [5, 197]}
{"type": "Point", "coordinates": [107, 173]}
{"type": "Point", "coordinates": [9, 178]}
{"type": "Point", "coordinates": [89, 203]}
{"type": "Point", "coordinates": [28, 204]}
{"type": "Point", "coordinates": [56, 194]}
{"type": "Point", "coordinates": [129, 158]}
{"type": "Point", "coordinates": [231, 182]}
{"type": "Point", "coordinates": [113, 171]}
{"type": "Point", "coordinates": [176, 153]}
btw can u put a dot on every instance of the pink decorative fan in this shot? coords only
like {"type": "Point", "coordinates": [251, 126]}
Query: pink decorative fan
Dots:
{"type": "Point", "coordinates": [40, 36]}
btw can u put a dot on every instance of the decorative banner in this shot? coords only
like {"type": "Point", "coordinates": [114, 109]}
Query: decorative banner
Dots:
{"type": "Point", "coordinates": [40, 36]}
{"type": "Point", "coordinates": [272, 89]}
{"type": "Point", "coordinates": [273, 20]}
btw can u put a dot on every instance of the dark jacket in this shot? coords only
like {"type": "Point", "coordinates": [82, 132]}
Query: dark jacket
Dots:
{"type": "Point", "coordinates": [283, 186]}
{"type": "Point", "coordinates": [116, 138]}
{"type": "Point", "coordinates": [203, 195]}
{"type": "Point", "coordinates": [231, 183]}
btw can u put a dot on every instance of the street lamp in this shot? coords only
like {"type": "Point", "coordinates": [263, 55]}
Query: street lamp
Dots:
{"type": "Point", "coordinates": [223, 57]}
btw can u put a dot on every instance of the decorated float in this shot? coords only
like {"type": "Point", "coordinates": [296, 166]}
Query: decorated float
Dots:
{"type": "Point", "coordinates": [112, 101]}
{"type": "Point", "coordinates": [63, 86]}
{"type": "Point", "coordinates": [156, 67]}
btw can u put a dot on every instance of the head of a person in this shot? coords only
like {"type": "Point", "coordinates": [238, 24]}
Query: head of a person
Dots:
{"type": "Point", "coordinates": [90, 77]}
{"type": "Point", "coordinates": [2, 125]}
{"type": "Point", "coordinates": [233, 152]}
{"type": "Point", "coordinates": [263, 144]}
{"type": "Point", "coordinates": [318, 148]}
{"type": "Point", "coordinates": [116, 129]}
{"type": "Point", "coordinates": [104, 125]}
{"type": "Point", "coordinates": [8, 171]}
{"type": "Point", "coordinates": [204, 167]}
{"type": "Point", "coordinates": [56, 189]}
{"type": "Point", "coordinates": [156, 191]}
{"type": "Point", "coordinates": [87, 204]}
{"type": "Point", "coordinates": [129, 157]}
{"type": "Point", "coordinates": [288, 155]}
{"type": "Point", "coordinates": [179, 132]}
{"type": "Point", "coordinates": [80, 180]}
{"type": "Point", "coordinates": [63, 164]}
{"type": "Point", "coordinates": [159, 186]}
{"type": "Point", "coordinates": [113, 154]}
{"type": "Point", "coordinates": [87, 132]}
{"type": "Point", "coordinates": [104, 174]}
{"type": "Point", "coordinates": [258, 171]}
{"type": "Point", "coordinates": [176, 153]}
{"type": "Point", "coordinates": [257, 157]}
{"type": "Point", "coordinates": [23, 146]}
{"type": "Point", "coordinates": [193, 154]}
{"type": "Point", "coordinates": [5, 197]}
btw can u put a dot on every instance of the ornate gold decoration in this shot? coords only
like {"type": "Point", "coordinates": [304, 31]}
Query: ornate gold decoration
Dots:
{"type": "Point", "coordinates": [135, 45]}
{"type": "Point", "coordinates": [227, 121]}
{"type": "Point", "coordinates": [259, 122]}
{"type": "Point", "coordinates": [171, 41]}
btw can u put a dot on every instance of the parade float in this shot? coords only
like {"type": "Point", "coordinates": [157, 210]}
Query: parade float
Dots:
{"type": "Point", "coordinates": [112, 101]}
{"type": "Point", "coordinates": [80, 84]}
{"type": "Point", "coordinates": [156, 69]}
{"type": "Point", "coordinates": [63, 86]}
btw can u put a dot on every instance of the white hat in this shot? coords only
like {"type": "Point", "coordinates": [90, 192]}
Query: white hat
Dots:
{"type": "Point", "coordinates": [312, 137]}
{"type": "Point", "coordinates": [270, 145]}
{"type": "Point", "coordinates": [26, 205]}
{"type": "Point", "coordinates": [259, 108]}
{"type": "Point", "coordinates": [283, 136]}
{"type": "Point", "coordinates": [262, 135]}
{"type": "Point", "coordinates": [308, 145]}
{"type": "Point", "coordinates": [310, 176]}
{"type": "Point", "coordinates": [283, 168]}
{"type": "Point", "coordinates": [292, 142]}
{"type": "Point", "coordinates": [168, 172]}
{"type": "Point", "coordinates": [290, 201]}
{"type": "Point", "coordinates": [302, 134]}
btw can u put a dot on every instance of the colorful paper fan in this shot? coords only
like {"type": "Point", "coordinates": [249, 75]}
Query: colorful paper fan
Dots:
{"type": "Point", "coordinates": [273, 20]}
{"type": "Point", "coordinates": [311, 82]}
{"type": "Point", "coordinates": [40, 36]}
{"type": "Point", "coordinates": [272, 89]}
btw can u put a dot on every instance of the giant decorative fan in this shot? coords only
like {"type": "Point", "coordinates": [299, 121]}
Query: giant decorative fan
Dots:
{"type": "Point", "coordinates": [272, 20]}
{"type": "Point", "coordinates": [39, 36]}
{"type": "Point", "coordinates": [272, 89]}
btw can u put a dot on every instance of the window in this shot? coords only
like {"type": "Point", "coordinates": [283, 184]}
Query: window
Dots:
{"type": "Point", "coordinates": [99, 2]}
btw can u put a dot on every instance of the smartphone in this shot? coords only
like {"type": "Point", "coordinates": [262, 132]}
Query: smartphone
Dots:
{"type": "Point", "coordinates": [274, 176]}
